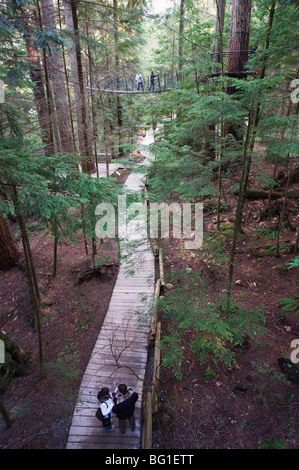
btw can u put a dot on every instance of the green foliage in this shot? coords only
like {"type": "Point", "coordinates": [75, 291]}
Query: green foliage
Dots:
{"type": "Point", "coordinates": [177, 170]}
{"type": "Point", "coordinates": [272, 444]}
{"type": "Point", "coordinates": [290, 304]}
{"type": "Point", "coordinates": [213, 251]}
{"type": "Point", "coordinates": [266, 232]}
{"type": "Point", "coordinates": [269, 385]}
{"type": "Point", "coordinates": [205, 325]}
{"type": "Point", "coordinates": [171, 345]}
{"type": "Point", "coordinates": [66, 365]}
{"type": "Point", "coordinates": [294, 263]}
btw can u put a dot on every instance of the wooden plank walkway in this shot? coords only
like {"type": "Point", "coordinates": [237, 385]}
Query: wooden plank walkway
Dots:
{"type": "Point", "coordinates": [103, 170]}
{"type": "Point", "coordinates": [120, 352]}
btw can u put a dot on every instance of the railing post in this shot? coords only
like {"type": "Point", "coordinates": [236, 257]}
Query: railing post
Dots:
{"type": "Point", "coordinates": [147, 434]}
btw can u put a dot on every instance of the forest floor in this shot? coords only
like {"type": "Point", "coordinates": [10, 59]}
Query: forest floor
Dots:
{"type": "Point", "coordinates": [222, 407]}
{"type": "Point", "coordinates": [250, 405]}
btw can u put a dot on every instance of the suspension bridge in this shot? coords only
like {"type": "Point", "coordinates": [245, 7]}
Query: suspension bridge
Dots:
{"type": "Point", "coordinates": [121, 83]}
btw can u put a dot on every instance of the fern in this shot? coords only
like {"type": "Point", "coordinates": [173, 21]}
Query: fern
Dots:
{"type": "Point", "coordinates": [294, 263]}
{"type": "Point", "coordinates": [290, 304]}
{"type": "Point", "coordinates": [265, 232]}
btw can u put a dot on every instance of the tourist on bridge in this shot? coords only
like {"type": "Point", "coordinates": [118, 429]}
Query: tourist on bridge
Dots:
{"type": "Point", "coordinates": [125, 407]}
{"type": "Point", "coordinates": [152, 80]}
{"type": "Point", "coordinates": [139, 80]}
{"type": "Point", "coordinates": [252, 51]}
{"type": "Point", "coordinates": [106, 405]}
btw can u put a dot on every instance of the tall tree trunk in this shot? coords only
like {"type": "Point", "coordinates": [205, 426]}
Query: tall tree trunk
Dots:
{"type": "Point", "coordinates": [9, 252]}
{"type": "Point", "coordinates": [91, 80]}
{"type": "Point", "coordinates": [268, 33]}
{"type": "Point", "coordinates": [219, 25]}
{"type": "Point", "coordinates": [74, 77]}
{"type": "Point", "coordinates": [118, 100]}
{"type": "Point", "coordinates": [57, 77]}
{"type": "Point", "coordinates": [39, 95]}
{"type": "Point", "coordinates": [239, 211]}
{"type": "Point", "coordinates": [35, 295]}
{"type": "Point", "coordinates": [238, 47]}
{"type": "Point", "coordinates": [218, 57]}
{"type": "Point", "coordinates": [239, 35]}
{"type": "Point", "coordinates": [181, 39]}
{"type": "Point", "coordinates": [67, 79]}
{"type": "Point", "coordinates": [88, 165]}
{"type": "Point", "coordinates": [55, 137]}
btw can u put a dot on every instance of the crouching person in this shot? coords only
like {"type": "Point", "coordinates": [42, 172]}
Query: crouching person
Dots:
{"type": "Point", "coordinates": [125, 407]}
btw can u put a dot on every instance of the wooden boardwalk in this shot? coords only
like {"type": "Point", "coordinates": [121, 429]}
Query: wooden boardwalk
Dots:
{"type": "Point", "coordinates": [103, 170]}
{"type": "Point", "coordinates": [121, 349]}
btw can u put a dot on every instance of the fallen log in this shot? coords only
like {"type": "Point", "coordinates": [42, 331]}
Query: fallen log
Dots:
{"type": "Point", "coordinates": [260, 194]}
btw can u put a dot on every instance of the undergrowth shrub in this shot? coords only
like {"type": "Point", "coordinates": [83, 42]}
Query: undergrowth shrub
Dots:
{"type": "Point", "coordinates": [203, 325]}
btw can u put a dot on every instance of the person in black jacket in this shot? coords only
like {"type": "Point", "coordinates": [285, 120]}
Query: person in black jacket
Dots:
{"type": "Point", "coordinates": [125, 407]}
{"type": "Point", "coordinates": [152, 80]}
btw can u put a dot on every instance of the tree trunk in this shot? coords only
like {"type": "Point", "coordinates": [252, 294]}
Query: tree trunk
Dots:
{"type": "Point", "coordinates": [118, 100]}
{"type": "Point", "coordinates": [74, 77]}
{"type": "Point", "coordinates": [35, 295]}
{"type": "Point", "coordinates": [219, 25]}
{"type": "Point", "coordinates": [268, 33]}
{"type": "Point", "coordinates": [181, 39]}
{"type": "Point", "coordinates": [88, 164]}
{"type": "Point", "coordinates": [57, 77]}
{"type": "Point", "coordinates": [39, 94]}
{"type": "Point", "coordinates": [93, 111]}
{"type": "Point", "coordinates": [238, 48]}
{"type": "Point", "coordinates": [67, 79]}
{"type": "Point", "coordinates": [261, 194]}
{"type": "Point", "coordinates": [239, 211]}
{"type": "Point", "coordinates": [239, 35]}
{"type": "Point", "coordinates": [9, 252]}
{"type": "Point", "coordinates": [209, 138]}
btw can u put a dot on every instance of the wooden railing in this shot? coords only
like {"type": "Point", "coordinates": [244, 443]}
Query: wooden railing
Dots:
{"type": "Point", "coordinates": [151, 399]}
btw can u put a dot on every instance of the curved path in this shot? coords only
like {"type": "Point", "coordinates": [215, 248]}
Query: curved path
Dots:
{"type": "Point", "coordinates": [120, 352]}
